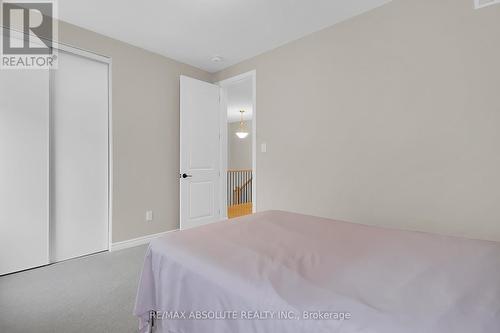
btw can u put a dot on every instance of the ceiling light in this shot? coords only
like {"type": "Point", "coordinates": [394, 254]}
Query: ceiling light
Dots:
{"type": "Point", "coordinates": [242, 130]}
{"type": "Point", "coordinates": [217, 59]}
{"type": "Point", "coordinates": [242, 135]}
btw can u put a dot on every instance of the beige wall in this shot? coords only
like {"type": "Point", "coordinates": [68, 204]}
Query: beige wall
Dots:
{"type": "Point", "coordinates": [145, 132]}
{"type": "Point", "coordinates": [391, 118]}
{"type": "Point", "coordinates": [239, 155]}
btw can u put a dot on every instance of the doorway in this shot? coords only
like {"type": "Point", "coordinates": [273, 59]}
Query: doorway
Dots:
{"type": "Point", "coordinates": [238, 144]}
{"type": "Point", "coordinates": [214, 182]}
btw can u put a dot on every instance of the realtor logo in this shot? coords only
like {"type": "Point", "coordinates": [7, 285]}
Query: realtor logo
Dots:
{"type": "Point", "coordinates": [28, 32]}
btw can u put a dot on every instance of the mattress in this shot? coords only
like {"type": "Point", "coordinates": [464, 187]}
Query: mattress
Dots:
{"type": "Point", "coordinates": [282, 272]}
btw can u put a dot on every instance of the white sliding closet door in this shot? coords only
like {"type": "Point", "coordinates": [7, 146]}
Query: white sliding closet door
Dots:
{"type": "Point", "coordinates": [79, 157]}
{"type": "Point", "coordinates": [24, 159]}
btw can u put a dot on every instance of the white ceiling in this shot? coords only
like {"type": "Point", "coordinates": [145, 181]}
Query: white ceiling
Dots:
{"type": "Point", "coordinates": [194, 31]}
{"type": "Point", "coordinates": [239, 97]}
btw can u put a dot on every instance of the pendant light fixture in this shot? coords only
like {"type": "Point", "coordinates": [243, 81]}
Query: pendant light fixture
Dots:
{"type": "Point", "coordinates": [242, 130]}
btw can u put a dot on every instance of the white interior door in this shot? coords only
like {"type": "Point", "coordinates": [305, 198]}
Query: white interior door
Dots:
{"type": "Point", "coordinates": [24, 160]}
{"type": "Point", "coordinates": [79, 158]}
{"type": "Point", "coordinates": [200, 153]}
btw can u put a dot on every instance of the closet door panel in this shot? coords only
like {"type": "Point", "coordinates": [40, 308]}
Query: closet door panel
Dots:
{"type": "Point", "coordinates": [79, 159]}
{"type": "Point", "coordinates": [24, 147]}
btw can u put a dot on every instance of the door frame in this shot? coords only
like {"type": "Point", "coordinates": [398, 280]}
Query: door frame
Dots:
{"type": "Point", "coordinates": [108, 61]}
{"type": "Point", "coordinates": [224, 137]}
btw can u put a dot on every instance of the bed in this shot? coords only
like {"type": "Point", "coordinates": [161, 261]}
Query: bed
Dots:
{"type": "Point", "coordinates": [282, 272]}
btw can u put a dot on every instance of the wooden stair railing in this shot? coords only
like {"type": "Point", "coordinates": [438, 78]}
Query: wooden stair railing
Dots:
{"type": "Point", "coordinates": [239, 192]}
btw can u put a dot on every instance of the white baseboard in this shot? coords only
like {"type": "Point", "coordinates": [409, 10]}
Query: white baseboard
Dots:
{"type": "Point", "coordinates": [136, 241]}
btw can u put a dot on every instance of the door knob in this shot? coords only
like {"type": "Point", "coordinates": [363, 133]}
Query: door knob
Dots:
{"type": "Point", "coordinates": [185, 175]}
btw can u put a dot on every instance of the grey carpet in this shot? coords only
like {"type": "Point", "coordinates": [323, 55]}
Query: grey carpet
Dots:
{"type": "Point", "coordinates": [88, 294]}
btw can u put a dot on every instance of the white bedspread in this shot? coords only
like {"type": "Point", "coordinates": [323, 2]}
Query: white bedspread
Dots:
{"type": "Point", "coordinates": [269, 264]}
